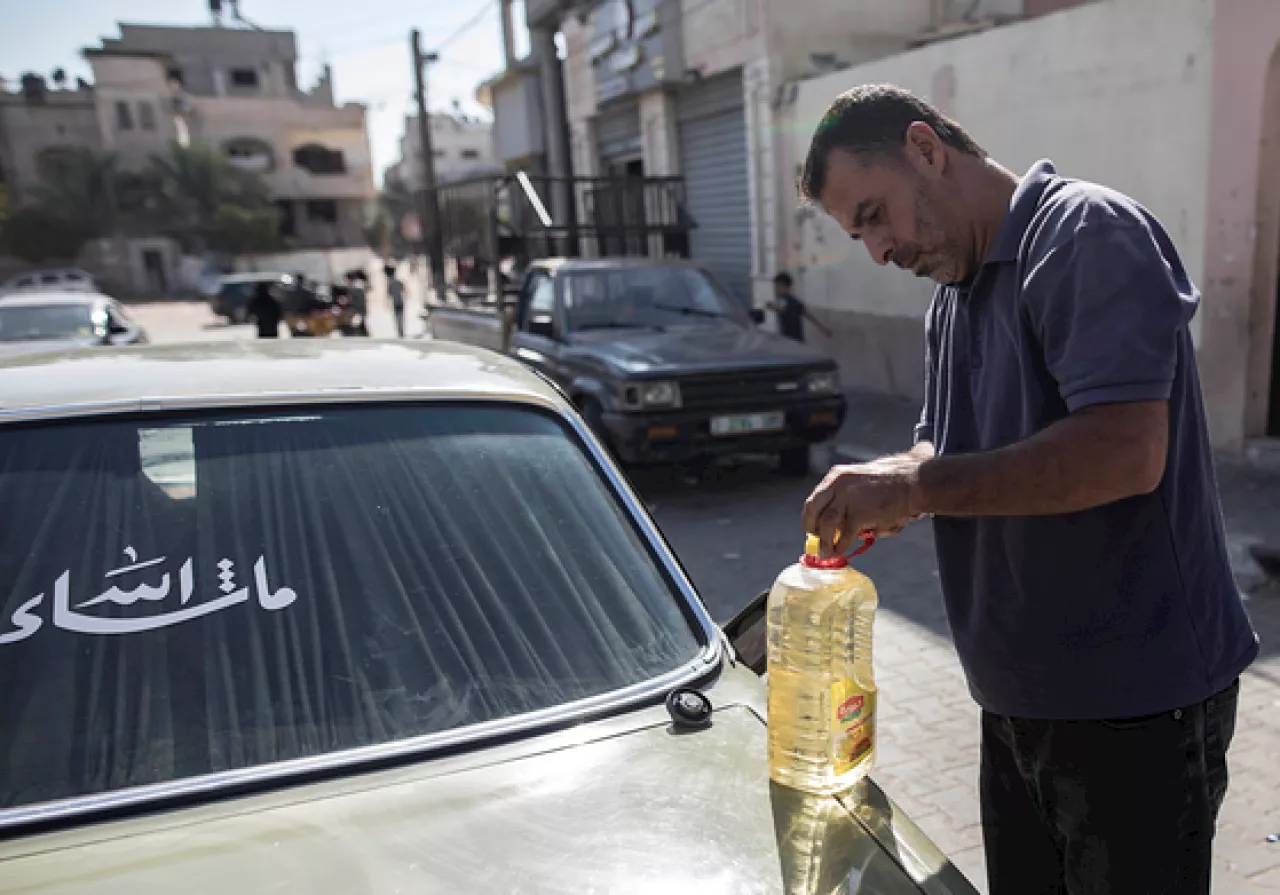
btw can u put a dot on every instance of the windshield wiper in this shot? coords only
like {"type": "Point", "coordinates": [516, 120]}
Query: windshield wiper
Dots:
{"type": "Point", "coordinates": [689, 312]}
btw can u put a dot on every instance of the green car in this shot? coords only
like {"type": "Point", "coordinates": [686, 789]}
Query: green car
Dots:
{"type": "Point", "coordinates": [373, 618]}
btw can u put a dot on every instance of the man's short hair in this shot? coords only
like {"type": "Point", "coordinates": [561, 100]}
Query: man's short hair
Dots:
{"type": "Point", "coordinates": [782, 278]}
{"type": "Point", "coordinates": [872, 120]}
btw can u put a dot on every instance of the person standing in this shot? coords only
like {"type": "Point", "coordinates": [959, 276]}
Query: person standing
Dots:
{"type": "Point", "coordinates": [1063, 454]}
{"type": "Point", "coordinates": [791, 311]}
{"type": "Point", "coordinates": [359, 298]}
{"type": "Point", "coordinates": [264, 307]}
{"type": "Point", "coordinates": [395, 290]}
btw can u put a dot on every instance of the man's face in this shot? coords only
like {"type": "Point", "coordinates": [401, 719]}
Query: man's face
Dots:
{"type": "Point", "coordinates": [780, 289]}
{"type": "Point", "coordinates": [898, 213]}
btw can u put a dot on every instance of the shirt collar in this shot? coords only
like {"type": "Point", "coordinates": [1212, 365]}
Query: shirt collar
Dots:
{"type": "Point", "coordinates": [1022, 207]}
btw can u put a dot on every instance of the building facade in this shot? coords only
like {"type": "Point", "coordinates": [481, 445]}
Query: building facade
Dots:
{"type": "Point", "coordinates": [461, 147]}
{"type": "Point", "coordinates": [1174, 102]}
{"type": "Point", "coordinates": [689, 88]}
{"type": "Point", "coordinates": [37, 124]}
{"type": "Point", "coordinates": [236, 89]}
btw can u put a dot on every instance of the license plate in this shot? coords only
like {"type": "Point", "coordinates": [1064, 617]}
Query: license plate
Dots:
{"type": "Point", "coordinates": [751, 422]}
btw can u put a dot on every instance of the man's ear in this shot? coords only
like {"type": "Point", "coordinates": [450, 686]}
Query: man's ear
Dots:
{"type": "Point", "coordinates": [924, 149]}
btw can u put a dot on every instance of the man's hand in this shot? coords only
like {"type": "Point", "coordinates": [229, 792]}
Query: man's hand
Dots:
{"type": "Point", "coordinates": [876, 497]}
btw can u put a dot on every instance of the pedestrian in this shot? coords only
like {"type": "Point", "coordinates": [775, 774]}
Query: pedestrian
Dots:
{"type": "Point", "coordinates": [791, 311]}
{"type": "Point", "coordinates": [264, 307]}
{"type": "Point", "coordinates": [1063, 454]}
{"type": "Point", "coordinates": [359, 299]}
{"type": "Point", "coordinates": [395, 289]}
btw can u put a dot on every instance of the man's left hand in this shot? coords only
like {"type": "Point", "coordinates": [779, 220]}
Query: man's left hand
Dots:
{"type": "Point", "coordinates": [874, 497]}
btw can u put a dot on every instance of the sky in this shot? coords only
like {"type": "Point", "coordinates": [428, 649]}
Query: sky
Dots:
{"type": "Point", "coordinates": [366, 42]}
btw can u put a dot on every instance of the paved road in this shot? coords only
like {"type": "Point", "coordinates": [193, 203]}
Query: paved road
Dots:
{"type": "Point", "coordinates": [739, 526]}
{"type": "Point", "coordinates": [191, 321]}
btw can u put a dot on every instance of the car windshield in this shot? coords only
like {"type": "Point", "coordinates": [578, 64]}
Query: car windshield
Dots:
{"type": "Point", "coordinates": [643, 297]}
{"type": "Point", "coordinates": [215, 593]}
{"type": "Point", "coordinates": [62, 321]}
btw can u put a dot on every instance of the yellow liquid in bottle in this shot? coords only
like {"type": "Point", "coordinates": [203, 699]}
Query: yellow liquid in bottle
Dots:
{"type": "Point", "coordinates": [822, 692]}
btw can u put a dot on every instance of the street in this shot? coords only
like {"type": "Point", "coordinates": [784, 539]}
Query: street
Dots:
{"type": "Point", "coordinates": [735, 529]}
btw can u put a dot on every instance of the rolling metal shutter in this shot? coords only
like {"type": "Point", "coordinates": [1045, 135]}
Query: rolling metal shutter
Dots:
{"type": "Point", "coordinates": [713, 161]}
{"type": "Point", "coordinates": [618, 130]}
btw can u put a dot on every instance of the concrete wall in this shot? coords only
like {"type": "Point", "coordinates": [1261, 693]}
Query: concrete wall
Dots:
{"type": "Point", "coordinates": [854, 31]}
{"type": "Point", "coordinates": [1241, 227]}
{"type": "Point", "coordinates": [720, 35]}
{"type": "Point", "coordinates": [658, 134]}
{"type": "Point", "coordinates": [1116, 92]}
{"type": "Point", "coordinates": [327, 266]}
{"type": "Point", "coordinates": [66, 119]}
{"type": "Point", "coordinates": [517, 116]}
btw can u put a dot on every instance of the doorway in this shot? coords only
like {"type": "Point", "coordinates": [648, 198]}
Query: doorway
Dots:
{"type": "Point", "coordinates": [153, 266]}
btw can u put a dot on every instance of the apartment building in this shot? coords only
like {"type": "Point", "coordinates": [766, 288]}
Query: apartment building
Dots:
{"type": "Point", "coordinates": [461, 148]}
{"type": "Point", "coordinates": [237, 89]}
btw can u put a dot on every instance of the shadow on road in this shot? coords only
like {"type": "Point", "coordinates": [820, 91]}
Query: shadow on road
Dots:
{"type": "Point", "coordinates": [738, 526]}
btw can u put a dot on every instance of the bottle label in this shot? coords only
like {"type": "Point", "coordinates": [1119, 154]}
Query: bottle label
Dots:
{"type": "Point", "coordinates": [853, 711]}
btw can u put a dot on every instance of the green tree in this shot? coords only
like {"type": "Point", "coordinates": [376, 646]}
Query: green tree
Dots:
{"type": "Point", "coordinates": [196, 184]}
{"type": "Point", "coordinates": [38, 233]}
{"type": "Point", "coordinates": [237, 230]}
{"type": "Point", "coordinates": [79, 185]}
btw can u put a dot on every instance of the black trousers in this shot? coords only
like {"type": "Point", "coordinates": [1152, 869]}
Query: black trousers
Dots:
{"type": "Point", "coordinates": [1121, 807]}
{"type": "Point", "coordinates": [398, 311]}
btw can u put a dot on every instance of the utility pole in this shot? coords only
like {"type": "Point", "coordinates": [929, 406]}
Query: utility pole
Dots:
{"type": "Point", "coordinates": [431, 230]}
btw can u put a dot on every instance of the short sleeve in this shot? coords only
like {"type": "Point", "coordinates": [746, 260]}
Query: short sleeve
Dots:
{"type": "Point", "coordinates": [1108, 307]}
{"type": "Point", "coordinates": [924, 427]}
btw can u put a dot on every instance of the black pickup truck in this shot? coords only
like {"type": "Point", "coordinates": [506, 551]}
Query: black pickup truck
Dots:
{"type": "Point", "coordinates": [663, 364]}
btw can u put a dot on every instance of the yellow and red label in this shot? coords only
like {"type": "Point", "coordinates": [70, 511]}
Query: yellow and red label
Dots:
{"type": "Point", "coordinates": [853, 711]}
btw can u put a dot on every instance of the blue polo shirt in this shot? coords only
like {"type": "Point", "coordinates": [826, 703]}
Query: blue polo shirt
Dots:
{"type": "Point", "coordinates": [1125, 609]}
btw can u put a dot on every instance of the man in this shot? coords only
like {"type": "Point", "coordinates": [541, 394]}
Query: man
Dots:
{"type": "Point", "coordinates": [265, 309]}
{"type": "Point", "coordinates": [1063, 454]}
{"type": "Point", "coordinates": [395, 289]}
{"type": "Point", "coordinates": [356, 280]}
{"type": "Point", "coordinates": [791, 311]}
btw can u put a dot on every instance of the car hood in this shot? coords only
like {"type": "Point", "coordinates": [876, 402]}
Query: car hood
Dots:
{"type": "Point", "coordinates": [700, 348]}
{"type": "Point", "coordinates": [638, 809]}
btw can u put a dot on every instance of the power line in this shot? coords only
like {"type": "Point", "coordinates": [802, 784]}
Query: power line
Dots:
{"type": "Point", "coordinates": [467, 25]}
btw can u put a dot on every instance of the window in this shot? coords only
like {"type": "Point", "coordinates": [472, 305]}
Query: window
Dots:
{"type": "Point", "coordinates": [124, 117]}
{"type": "Point", "coordinates": [146, 116]}
{"type": "Point", "coordinates": [249, 154]}
{"type": "Point", "coordinates": [542, 298]}
{"type": "Point", "coordinates": [272, 586]}
{"type": "Point", "coordinates": [643, 297]}
{"type": "Point", "coordinates": [320, 159]}
{"type": "Point", "coordinates": [34, 323]}
{"type": "Point", "coordinates": [50, 279]}
{"type": "Point", "coordinates": [244, 77]}
{"type": "Point", "coordinates": [471, 153]}
{"type": "Point", "coordinates": [437, 153]}
{"type": "Point", "coordinates": [322, 211]}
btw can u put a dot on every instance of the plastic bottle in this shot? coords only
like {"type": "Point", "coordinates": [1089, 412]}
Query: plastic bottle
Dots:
{"type": "Point", "coordinates": [822, 693]}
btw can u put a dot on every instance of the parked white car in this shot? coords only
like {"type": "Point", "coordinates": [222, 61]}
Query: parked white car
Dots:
{"type": "Point", "coordinates": [61, 279]}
